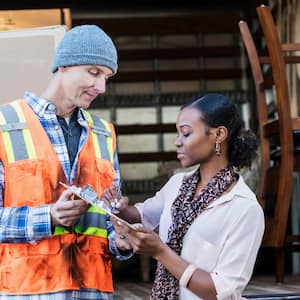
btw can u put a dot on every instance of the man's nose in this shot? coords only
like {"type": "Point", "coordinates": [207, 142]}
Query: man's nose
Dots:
{"type": "Point", "coordinates": [100, 84]}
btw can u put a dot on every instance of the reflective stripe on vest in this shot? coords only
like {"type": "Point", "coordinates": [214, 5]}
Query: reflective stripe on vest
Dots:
{"type": "Point", "coordinates": [16, 134]}
{"type": "Point", "coordinates": [102, 137]}
{"type": "Point", "coordinates": [93, 222]}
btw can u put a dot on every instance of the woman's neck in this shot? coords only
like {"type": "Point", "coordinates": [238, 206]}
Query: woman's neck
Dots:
{"type": "Point", "coordinates": [207, 171]}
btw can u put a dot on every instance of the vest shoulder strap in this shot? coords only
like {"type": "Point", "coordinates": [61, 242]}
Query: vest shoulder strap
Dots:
{"type": "Point", "coordinates": [102, 136]}
{"type": "Point", "coordinates": [17, 139]}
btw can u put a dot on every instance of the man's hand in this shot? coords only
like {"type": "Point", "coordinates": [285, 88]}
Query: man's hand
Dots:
{"type": "Point", "coordinates": [67, 211]}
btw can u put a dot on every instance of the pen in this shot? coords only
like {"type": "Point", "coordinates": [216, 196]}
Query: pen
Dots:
{"type": "Point", "coordinates": [115, 204]}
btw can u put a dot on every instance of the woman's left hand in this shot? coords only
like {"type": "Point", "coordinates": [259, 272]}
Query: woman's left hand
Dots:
{"type": "Point", "coordinates": [121, 236]}
{"type": "Point", "coordinates": [144, 240]}
{"type": "Point", "coordinates": [122, 242]}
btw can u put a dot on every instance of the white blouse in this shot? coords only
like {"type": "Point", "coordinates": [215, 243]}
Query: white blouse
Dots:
{"type": "Point", "coordinates": [223, 240]}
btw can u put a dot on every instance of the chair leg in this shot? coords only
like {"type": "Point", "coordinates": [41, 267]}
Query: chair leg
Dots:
{"type": "Point", "coordinates": [279, 264]}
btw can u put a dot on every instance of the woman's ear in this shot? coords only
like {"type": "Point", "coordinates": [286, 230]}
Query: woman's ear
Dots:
{"type": "Point", "coordinates": [222, 133]}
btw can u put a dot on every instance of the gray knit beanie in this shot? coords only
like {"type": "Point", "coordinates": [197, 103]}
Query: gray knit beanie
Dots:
{"type": "Point", "coordinates": [86, 45]}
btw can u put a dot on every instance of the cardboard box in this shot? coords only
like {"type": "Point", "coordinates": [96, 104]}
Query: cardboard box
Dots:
{"type": "Point", "coordinates": [25, 60]}
{"type": "Point", "coordinates": [29, 18]}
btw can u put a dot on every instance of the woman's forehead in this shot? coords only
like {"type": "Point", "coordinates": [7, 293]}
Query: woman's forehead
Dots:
{"type": "Point", "coordinates": [189, 116]}
{"type": "Point", "coordinates": [190, 113]}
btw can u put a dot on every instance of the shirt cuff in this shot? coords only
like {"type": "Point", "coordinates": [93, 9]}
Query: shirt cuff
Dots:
{"type": "Point", "coordinates": [39, 223]}
{"type": "Point", "coordinates": [118, 254]}
{"type": "Point", "coordinates": [224, 292]}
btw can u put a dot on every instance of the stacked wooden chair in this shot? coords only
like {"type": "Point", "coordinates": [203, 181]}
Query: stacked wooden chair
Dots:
{"type": "Point", "coordinates": [279, 137]}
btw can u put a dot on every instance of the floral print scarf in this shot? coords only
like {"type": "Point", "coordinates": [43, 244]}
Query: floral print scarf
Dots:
{"type": "Point", "coordinates": [184, 211]}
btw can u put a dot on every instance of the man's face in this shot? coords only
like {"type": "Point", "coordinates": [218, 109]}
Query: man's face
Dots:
{"type": "Point", "coordinates": [82, 84]}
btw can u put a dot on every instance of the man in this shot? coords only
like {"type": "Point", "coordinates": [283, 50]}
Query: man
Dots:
{"type": "Point", "coordinates": [52, 245]}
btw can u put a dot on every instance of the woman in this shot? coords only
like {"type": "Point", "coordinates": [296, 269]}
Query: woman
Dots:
{"type": "Point", "coordinates": [210, 223]}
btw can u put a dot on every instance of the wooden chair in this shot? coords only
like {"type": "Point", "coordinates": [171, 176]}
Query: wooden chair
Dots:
{"type": "Point", "coordinates": [276, 171]}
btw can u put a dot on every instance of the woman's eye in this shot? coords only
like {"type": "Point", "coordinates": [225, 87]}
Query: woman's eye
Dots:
{"type": "Point", "coordinates": [186, 134]}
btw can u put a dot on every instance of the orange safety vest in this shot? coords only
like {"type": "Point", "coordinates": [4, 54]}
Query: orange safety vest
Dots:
{"type": "Point", "coordinates": [32, 175]}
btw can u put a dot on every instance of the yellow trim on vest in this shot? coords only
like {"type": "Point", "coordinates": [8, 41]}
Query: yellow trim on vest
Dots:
{"type": "Point", "coordinates": [60, 230]}
{"type": "Point", "coordinates": [109, 141]}
{"type": "Point", "coordinates": [94, 135]}
{"type": "Point", "coordinates": [82, 230]}
{"type": "Point", "coordinates": [7, 141]}
{"type": "Point", "coordinates": [96, 209]}
{"type": "Point", "coordinates": [91, 231]}
{"type": "Point", "coordinates": [26, 132]}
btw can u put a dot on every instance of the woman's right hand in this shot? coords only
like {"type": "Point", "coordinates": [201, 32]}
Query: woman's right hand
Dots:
{"type": "Point", "coordinates": [114, 199]}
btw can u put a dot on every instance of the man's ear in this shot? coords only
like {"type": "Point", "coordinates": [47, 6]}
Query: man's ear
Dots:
{"type": "Point", "coordinates": [62, 69]}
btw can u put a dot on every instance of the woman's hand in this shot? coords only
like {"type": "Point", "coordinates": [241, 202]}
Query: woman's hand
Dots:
{"type": "Point", "coordinates": [121, 236]}
{"type": "Point", "coordinates": [122, 242]}
{"type": "Point", "coordinates": [141, 239]}
{"type": "Point", "coordinates": [146, 241]}
{"type": "Point", "coordinates": [114, 199]}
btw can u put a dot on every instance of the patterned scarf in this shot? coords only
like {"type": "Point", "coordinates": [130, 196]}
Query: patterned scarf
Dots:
{"type": "Point", "coordinates": [184, 211]}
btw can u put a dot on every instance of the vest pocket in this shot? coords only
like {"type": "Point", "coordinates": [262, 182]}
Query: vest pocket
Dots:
{"type": "Point", "coordinates": [27, 183]}
{"type": "Point", "coordinates": [93, 244]}
{"type": "Point", "coordinates": [32, 268]}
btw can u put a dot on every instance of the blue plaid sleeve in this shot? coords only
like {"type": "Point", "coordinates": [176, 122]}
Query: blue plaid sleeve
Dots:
{"type": "Point", "coordinates": [1, 183]}
{"type": "Point", "coordinates": [117, 179]}
{"type": "Point", "coordinates": [110, 228]}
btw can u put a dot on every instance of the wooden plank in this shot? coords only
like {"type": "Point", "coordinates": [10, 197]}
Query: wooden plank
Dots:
{"type": "Point", "coordinates": [174, 75]}
{"type": "Point", "coordinates": [291, 59]}
{"type": "Point", "coordinates": [145, 129]}
{"type": "Point", "coordinates": [290, 47]}
{"type": "Point", "coordinates": [147, 157]}
{"type": "Point", "coordinates": [167, 24]}
{"type": "Point", "coordinates": [132, 6]}
{"type": "Point", "coordinates": [163, 99]}
{"type": "Point", "coordinates": [173, 53]}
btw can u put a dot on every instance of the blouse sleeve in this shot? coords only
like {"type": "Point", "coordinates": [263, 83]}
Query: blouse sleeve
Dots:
{"type": "Point", "coordinates": [237, 258]}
